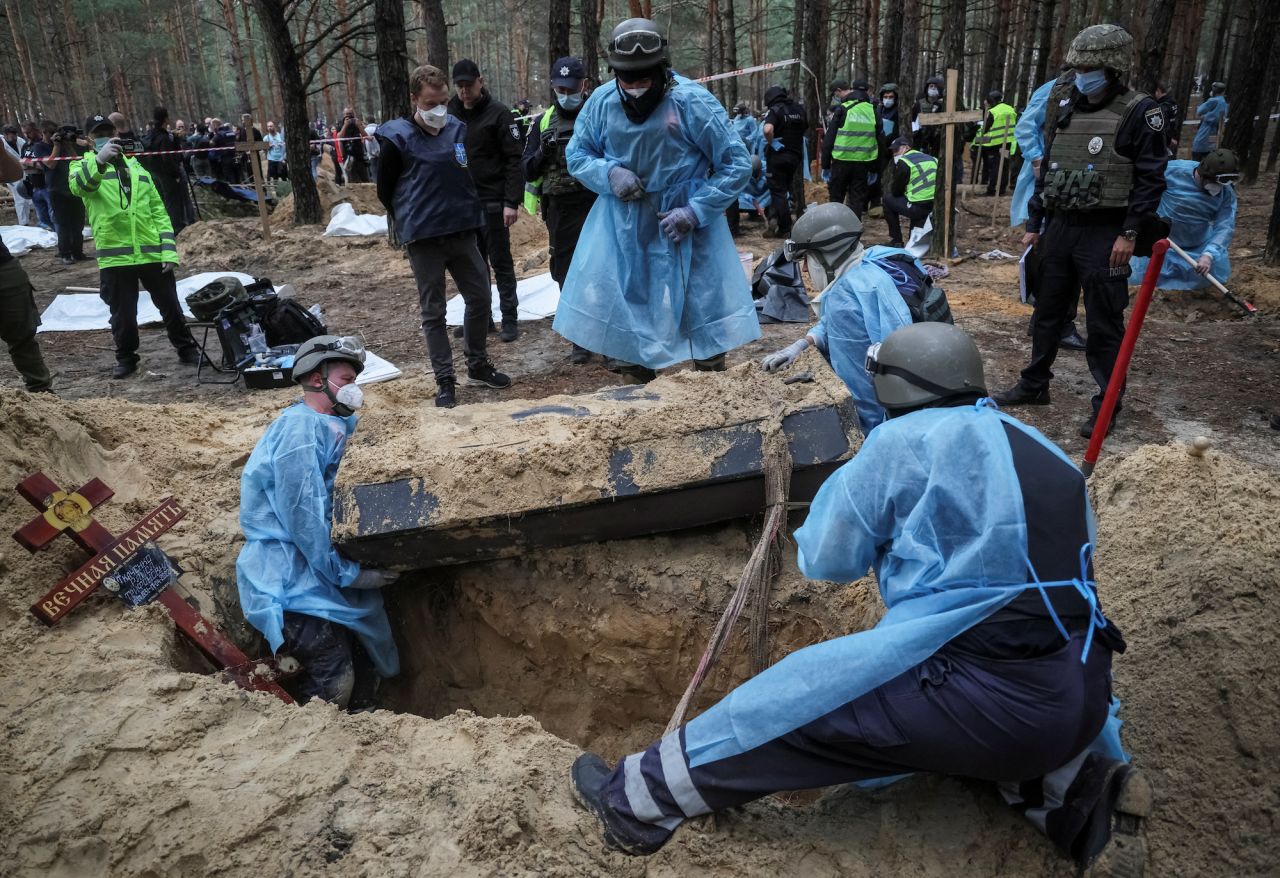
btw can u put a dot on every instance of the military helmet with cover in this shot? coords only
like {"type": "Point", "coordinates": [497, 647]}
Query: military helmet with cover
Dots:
{"type": "Point", "coordinates": [637, 45]}
{"type": "Point", "coordinates": [925, 363]}
{"type": "Point", "coordinates": [1103, 46]}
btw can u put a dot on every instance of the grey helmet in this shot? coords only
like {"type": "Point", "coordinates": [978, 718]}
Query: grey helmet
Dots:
{"type": "Point", "coordinates": [1218, 88]}
{"type": "Point", "coordinates": [637, 44]}
{"type": "Point", "coordinates": [314, 353]}
{"type": "Point", "coordinates": [757, 167]}
{"type": "Point", "coordinates": [1102, 45]}
{"type": "Point", "coordinates": [829, 232]}
{"type": "Point", "coordinates": [924, 363]}
{"type": "Point", "coordinates": [1220, 166]}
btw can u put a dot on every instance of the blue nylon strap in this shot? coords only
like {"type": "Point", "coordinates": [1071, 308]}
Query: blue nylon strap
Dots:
{"type": "Point", "coordinates": [1087, 589]}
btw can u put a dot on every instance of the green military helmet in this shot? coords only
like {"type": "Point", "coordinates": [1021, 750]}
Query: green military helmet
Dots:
{"type": "Point", "coordinates": [829, 231]}
{"type": "Point", "coordinates": [206, 302]}
{"type": "Point", "coordinates": [924, 363]}
{"type": "Point", "coordinates": [635, 45]}
{"type": "Point", "coordinates": [888, 87]}
{"type": "Point", "coordinates": [1102, 45]}
{"type": "Point", "coordinates": [1220, 166]}
{"type": "Point", "coordinates": [313, 353]}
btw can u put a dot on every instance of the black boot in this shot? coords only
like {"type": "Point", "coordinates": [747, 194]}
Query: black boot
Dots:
{"type": "Point", "coordinates": [579, 355]}
{"type": "Point", "coordinates": [1086, 429]}
{"type": "Point", "coordinates": [510, 330]}
{"type": "Point", "coordinates": [587, 780]}
{"type": "Point", "coordinates": [446, 398]}
{"type": "Point", "coordinates": [124, 369]}
{"type": "Point", "coordinates": [1020, 395]}
{"type": "Point", "coordinates": [1072, 341]}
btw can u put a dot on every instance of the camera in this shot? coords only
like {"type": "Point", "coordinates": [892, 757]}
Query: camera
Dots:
{"type": "Point", "coordinates": [66, 134]}
{"type": "Point", "coordinates": [127, 144]}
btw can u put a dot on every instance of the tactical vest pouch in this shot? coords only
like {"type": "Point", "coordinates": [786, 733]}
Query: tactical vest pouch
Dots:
{"type": "Point", "coordinates": [1072, 190]}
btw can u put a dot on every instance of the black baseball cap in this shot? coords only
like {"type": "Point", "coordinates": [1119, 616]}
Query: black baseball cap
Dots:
{"type": "Point", "coordinates": [466, 71]}
{"type": "Point", "coordinates": [840, 85]}
{"type": "Point", "coordinates": [860, 85]}
{"type": "Point", "coordinates": [900, 141]}
{"type": "Point", "coordinates": [97, 121]}
{"type": "Point", "coordinates": [567, 72]}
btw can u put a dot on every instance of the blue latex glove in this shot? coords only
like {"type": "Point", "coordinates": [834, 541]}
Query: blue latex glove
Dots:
{"type": "Point", "coordinates": [826, 176]}
{"type": "Point", "coordinates": [678, 223]}
{"type": "Point", "coordinates": [625, 184]}
{"type": "Point", "coordinates": [775, 144]}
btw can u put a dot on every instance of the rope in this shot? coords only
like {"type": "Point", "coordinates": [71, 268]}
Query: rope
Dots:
{"type": "Point", "coordinates": [757, 577]}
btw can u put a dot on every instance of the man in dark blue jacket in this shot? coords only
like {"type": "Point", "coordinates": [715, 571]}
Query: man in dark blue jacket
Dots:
{"type": "Point", "coordinates": [424, 183]}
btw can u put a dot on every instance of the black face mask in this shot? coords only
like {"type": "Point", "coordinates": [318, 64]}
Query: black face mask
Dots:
{"type": "Point", "coordinates": [639, 109]}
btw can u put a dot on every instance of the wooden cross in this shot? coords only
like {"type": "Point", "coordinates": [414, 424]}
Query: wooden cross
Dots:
{"type": "Point", "coordinates": [944, 243]}
{"type": "Point", "coordinates": [252, 145]}
{"type": "Point", "coordinates": [71, 514]}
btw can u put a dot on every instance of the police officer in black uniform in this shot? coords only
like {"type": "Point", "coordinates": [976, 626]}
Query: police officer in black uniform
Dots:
{"type": "Point", "coordinates": [1099, 187]}
{"type": "Point", "coordinates": [564, 201]}
{"type": "Point", "coordinates": [784, 125]}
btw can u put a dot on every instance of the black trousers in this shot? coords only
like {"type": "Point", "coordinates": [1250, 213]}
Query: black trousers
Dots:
{"type": "Point", "coordinates": [335, 667]}
{"type": "Point", "coordinates": [780, 170]}
{"type": "Point", "coordinates": [897, 206]}
{"type": "Point", "coordinates": [565, 216]}
{"type": "Point", "coordinates": [991, 166]}
{"type": "Point", "coordinates": [458, 254]}
{"type": "Point", "coordinates": [1076, 256]}
{"type": "Point", "coordinates": [19, 318]}
{"type": "Point", "coordinates": [69, 218]}
{"type": "Point", "coordinates": [495, 247]}
{"type": "Point", "coordinates": [851, 184]}
{"type": "Point", "coordinates": [118, 287]}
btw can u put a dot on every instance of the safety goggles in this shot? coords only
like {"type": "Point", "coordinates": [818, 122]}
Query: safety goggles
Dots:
{"type": "Point", "coordinates": [645, 42]}
{"type": "Point", "coordinates": [793, 250]}
{"type": "Point", "coordinates": [1226, 179]}
{"type": "Point", "coordinates": [348, 344]}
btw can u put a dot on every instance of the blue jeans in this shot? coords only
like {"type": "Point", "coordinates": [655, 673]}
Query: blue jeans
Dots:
{"type": "Point", "coordinates": [44, 207]}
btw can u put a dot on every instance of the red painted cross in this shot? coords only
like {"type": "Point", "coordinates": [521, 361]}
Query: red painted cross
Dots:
{"type": "Point", "coordinates": [70, 513]}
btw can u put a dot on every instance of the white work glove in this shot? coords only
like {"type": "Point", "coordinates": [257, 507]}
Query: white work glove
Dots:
{"type": "Point", "coordinates": [1204, 263]}
{"type": "Point", "coordinates": [625, 184]}
{"type": "Point", "coordinates": [109, 153]}
{"type": "Point", "coordinates": [785, 357]}
{"type": "Point", "coordinates": [370, 578]}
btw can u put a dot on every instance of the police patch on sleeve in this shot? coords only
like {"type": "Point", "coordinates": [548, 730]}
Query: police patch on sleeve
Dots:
{"type": "Point", "coordinates": [515, 132]}
{"type": "Point", "coordinates": [1155, 119]}
{"type": "Point", "coordinates": [460, 153]}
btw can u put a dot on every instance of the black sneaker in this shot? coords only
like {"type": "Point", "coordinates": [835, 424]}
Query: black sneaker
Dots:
{"type": "Point", "coordinates": [124, 370]}
{"type": "Point", "coordinates": [1086, 429]}
{"type": "Point", "coordinates": [485, 375]}
{"type": "Point", "coordinates": [579, 355]}
{"type": "Point", "coordinates": [190, 356]}
{"type": "Point", "coordinates": [1019, 395]}
{"type": "Point", "coordinates": [445, 396]}
{"type": "Point", "coordinates": [510, 331]}
{"type": "Point", "coordinates": [586, 782]}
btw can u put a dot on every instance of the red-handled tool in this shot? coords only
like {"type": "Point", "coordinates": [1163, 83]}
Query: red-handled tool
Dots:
{"type": "Point", "coordinates": [1121, 370]}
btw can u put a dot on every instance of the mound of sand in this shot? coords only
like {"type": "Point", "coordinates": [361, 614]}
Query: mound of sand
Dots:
{"type": "Point", "coordinates": [362, 196]}
{"type": "Point", "coordinates": [120, 761]}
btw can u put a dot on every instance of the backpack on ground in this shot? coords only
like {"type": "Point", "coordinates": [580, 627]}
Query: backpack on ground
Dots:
{"type": "Point", "coordinates": [286, 322]}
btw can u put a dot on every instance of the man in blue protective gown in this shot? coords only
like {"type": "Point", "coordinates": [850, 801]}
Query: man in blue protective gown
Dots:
{"type": "Point", "coordinates": [860, 302]}
{"type": "Point", "coordinates": [748, 129]}
{"type": "Point", "coordinates": [1200, 205]}
{"type": "Point", "coordinates": [295, 588]}
{"type": "Point", "coordinates": [1212, 113]}
{"type": "Point", "coordinates": [993, 660]}
{"type": "Point", "coordinates": [656, 279]}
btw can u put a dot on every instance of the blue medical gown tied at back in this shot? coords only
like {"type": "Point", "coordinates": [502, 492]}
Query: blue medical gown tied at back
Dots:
{"type": "Point", "coordinates": [1030, 136]}
{"type": "Point", "coordinates": [933, 505]}
{"type": "Point", "coordinates": [1211, 113]}
{"type": "Point", "coordinates": [860, 309]}
{"type": "Point", "coordinates": [751, 133]}
{"type": "Point", "coordinates": [1199, 223]}
{"type": "Point", "coordinates": [632, 293]}
{"type": "Point", "coordinates": [289, 561]}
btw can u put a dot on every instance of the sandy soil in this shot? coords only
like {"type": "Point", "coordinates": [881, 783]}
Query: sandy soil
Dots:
{"type": "Point", "coordinates": [121, 758]}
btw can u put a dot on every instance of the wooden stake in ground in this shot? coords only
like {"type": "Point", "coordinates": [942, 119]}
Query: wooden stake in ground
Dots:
{"type": "Point", "coordinates": [943, 243]}
{"type": "Point", "coordinates": [995, 202]}
{"type": "Point", "coordinates": [252, 145]}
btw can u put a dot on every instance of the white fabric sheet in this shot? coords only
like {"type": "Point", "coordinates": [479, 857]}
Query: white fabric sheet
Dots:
{"type": "Point", "coordinates": [77, 312]}
{"type": "Point", "coordinates": [539, 296]}
{"type": "Point", "coordinates": [344, 222]}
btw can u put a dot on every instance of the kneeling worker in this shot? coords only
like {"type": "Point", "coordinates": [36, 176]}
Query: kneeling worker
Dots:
{"type": "Point", "coordinates": [993, 660]}
{"type": "Point", "coordinates": [911, 190]}
{"type": "Point", "coordinates": [294, 586]}
{"type": "Point", "coordinates": [860, 302]}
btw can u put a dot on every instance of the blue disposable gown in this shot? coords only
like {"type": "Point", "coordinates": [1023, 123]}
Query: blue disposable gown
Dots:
{"type": "Point", "coordinates": [1199, 223]}
{"type": "Point", "coordinates": [1211, 112]}
{"type": "Point", "coordinates": [632, 293]}
{"type": "Point", "coordinates": [933, 505]}
{"type": "Point", "coordinates": [289, 561]}
{"type": "Point", "coordinates": [756, 194]}
{"type": "Point", "coordinates": [750, 132]}
{"type": "Point", "coordinates": [862, 308]}
{"type": "Point", "coordinates": [1030, 135]}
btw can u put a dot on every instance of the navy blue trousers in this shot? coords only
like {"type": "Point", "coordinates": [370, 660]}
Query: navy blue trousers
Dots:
{"type": "Point", "coordinates": [1005, 720]}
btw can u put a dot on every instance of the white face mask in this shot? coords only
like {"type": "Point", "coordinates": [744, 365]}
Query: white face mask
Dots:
{"type": "Point", "coordinates": [817, 271]}
{"type": "Point", "coordinates": [349, 395]}
{"type": "Point", "coordinates": [931, 91]}
{"type": "Point", "coordinates": [1213, 188]}
{"type": "Point", "coordinates": [889, 102]}
{"type": "Point", "coordinates": [636, 93]}
{"type": "Point", "coordinates": [433, 119]}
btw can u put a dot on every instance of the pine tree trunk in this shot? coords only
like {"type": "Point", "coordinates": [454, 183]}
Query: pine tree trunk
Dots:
{"type": "Point", "coordinates": [393, 59]}
{"type": "Point", "coordinates": [1247, 87]}
{"type": "Point", "coordinates": [730, 33]}
{"type": "Point", "coordinates": [590, 14]}
{"type": "Point", "coordinates": [24, 56]}
{"type": "Point", "coordinates": [437, 34]}
{"type": "Point", "coordinates": [1271, 256]}
{"type": "Point", "coordinates": [297, 134]}
{"type": "Point", "coordinates": [1221, 29]}
{"type": "Point", "coordinates": [907, 56]}
{"type": "Point", "coordinates": [237, 57]}
{"type": "Point", "coordinates": [559, 13]}
{"type": "Point", "coordinates": [1027, 83]}
{"type": "Point", "coordinates": [891, 45]}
